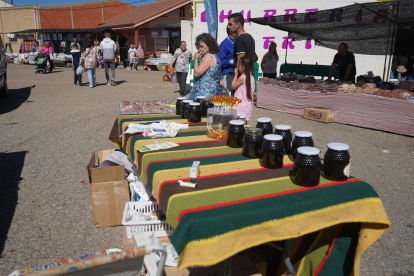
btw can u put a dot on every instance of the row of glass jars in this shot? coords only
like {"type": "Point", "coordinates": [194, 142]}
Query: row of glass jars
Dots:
{"type": "Point", "coordinates": [270, 149]}
{"type": "Point", "coordinates": [193, 111]}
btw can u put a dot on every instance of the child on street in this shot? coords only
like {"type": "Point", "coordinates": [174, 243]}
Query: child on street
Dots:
{"type": "Point", "coordinates": [243, 83]}
{"type": "Point", "coordinates": [132, 56]}
{"type": "Point", "coordinates": [76, 55]}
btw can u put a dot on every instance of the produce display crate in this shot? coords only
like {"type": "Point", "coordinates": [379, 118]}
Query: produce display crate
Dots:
{"type": "Point", "coordinates": [160, 228]}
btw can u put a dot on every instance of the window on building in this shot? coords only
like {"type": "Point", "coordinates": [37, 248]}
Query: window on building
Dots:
{"type": "Point", "coordinates": [161, 44]}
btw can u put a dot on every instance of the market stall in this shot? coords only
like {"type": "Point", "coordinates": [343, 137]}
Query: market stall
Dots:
{"type": "Point", "coordinates": [237, 204]}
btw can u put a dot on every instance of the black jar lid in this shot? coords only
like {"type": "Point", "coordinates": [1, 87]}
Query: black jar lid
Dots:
{"type": "Point", "coordinates": [273, 137]}
{"type": "Point", "coordinates": [264, 120]}
{"type": "Point", "coordinates": [309, 151]}
{"type": "Point", "coordinates": [254, 130]}
{"type": "Point", "coordinates": [338, 146]}
{"type": "Point", "coordinates": [236, 122]}
{"type": "Point", "coordinates": [283, 127]}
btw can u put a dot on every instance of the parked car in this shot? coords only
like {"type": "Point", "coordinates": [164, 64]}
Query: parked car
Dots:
{"type": "Point", "coordinates": [3, 71]}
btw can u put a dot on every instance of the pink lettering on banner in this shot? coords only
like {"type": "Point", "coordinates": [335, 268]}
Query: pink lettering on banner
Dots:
{"type": "Point", "coordinates": [358, 18]}
{"type": "Point", "coordinates": [311, 12]}
{"type": "Point", "coordinates": [268, 40]}
{"type": "Point", "coordinates": [336, 13]}
{"type": "Point", "coordinates": [203, 17]}
{"type": "Point", "coordinates": [308, 44]}
{"type": "Point", "coordinates": [249, 15]}
{"type": "Point", "coordinates": [290, 15]}
{"type": "Point", "coordinates": [288, 41]}
{"type": "Point", "coordinates": [269, 13]}
{"type": "Point", "coordinates": [222, 16]}
{"type": "Point", "coordinates": [384, 13]}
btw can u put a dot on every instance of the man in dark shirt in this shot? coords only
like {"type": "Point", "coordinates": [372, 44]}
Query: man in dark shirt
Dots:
{"type": "Point", "coordinates": [345, 61]}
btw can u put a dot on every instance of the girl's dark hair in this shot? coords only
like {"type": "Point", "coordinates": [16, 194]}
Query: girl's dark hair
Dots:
{"type": "Point", "coordinates": [211, 43]}
{"type": "Point", "coordinates": [89, 44]}
{"type": "Point", "coordinates": [248, 71]}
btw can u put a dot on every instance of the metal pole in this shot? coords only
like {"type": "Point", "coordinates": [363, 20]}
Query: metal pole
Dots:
{"type": "Point", "coordinates": [227, 267]}
{"type": "Point", "coordinates": [386, 51]}
{"type": "Point", "coordinates": [393, 39]}
{"type": "Point", "coordinates": [287, 46]}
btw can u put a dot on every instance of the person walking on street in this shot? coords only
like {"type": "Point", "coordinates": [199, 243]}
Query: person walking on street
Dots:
{"type": "Point", "coordinates": [75, 42]}
{"type": "Point", "coordinates": [90, 59]}
{"type": "Point", "coordinates": [132, 56]}
{"type": "Point", "coordinates": [269, 62]}
{"type": "Point", "coordinates": [76, 56]}
{"type": "Point", "coordinates": [227, 59]}
{"type": "Point", "coordinates": [47, 49]}
{"type": "Point", "coordinates": [244, 44]}
{"type": "Point", "coordinates": [108, 49]}
{"type": "Point", "coordinates": [182, 58]}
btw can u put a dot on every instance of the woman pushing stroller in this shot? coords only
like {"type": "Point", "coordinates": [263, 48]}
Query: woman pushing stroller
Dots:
{"type": "Point", "coordinates": [47, 50]}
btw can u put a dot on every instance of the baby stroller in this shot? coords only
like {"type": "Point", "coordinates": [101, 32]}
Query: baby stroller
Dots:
{"type": "Point", "coordinates": [42, 64]}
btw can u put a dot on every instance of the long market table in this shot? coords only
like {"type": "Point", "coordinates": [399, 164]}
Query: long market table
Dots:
{"type": "Point", "coordinates": [237, 204]}
{"type": "Point", "coordinates": [364, 110]}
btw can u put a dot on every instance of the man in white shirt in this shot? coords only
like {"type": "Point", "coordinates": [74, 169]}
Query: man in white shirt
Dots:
{"type": "Point", "coordinates": [132, 56]}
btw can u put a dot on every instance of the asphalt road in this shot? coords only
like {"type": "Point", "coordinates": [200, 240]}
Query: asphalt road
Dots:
{"type": "Point", "coordinates": [50, 127]}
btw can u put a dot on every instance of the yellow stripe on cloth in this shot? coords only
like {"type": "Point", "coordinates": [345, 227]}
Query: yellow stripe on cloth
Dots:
{"type": "Point", "coordinates": [369, 211]}
{"type": "Point", "coordinates": [161, 176]}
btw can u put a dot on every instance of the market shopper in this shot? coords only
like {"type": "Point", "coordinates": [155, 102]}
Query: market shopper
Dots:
{"type": "Point", "coordinates": [90, 59]}
{"type": "Point", "coordinates": [208, 72]}
{"type": "Point", "coordinates": [47, 49]}
{"type": "Point", "coordinates": [345, 61]}
{"type": "Point", "coordinates": [227, 59]}
{"type": "Point", "coordinates": [182, 58]}
{"type": "Point", "coordinates": [108, 50]}
{"type": "Point", "coordinates": [75, 42]}
{"type": "Point", "coordinates": [76, 56]}
{"type": "Point", "coordinates": [243, 83]}
{"type": "Point", "coordinates": [132, 56]}
{"type": "Point", "coordinates": [269, 62]}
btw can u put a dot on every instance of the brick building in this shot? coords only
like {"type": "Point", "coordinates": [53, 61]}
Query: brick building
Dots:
{"type": "Point", "coordinates": [14, 19]}
{"type": "Point", "coordinates": [81, 15]}
{"type": "Point", "coordinates": [154, 25]}
{"type": "Point", "coordinates": [5, 4]}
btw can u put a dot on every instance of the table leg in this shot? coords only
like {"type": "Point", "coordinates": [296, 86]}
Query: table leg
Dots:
{"type": "Point", "coordinates": [227, 267]}
{"type": "Point", "coordinates": [286, 251]}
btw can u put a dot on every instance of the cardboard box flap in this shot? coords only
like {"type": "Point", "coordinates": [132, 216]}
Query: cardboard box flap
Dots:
{"type": "Point", "coordinates": [103, 154]}
{"type": "Point", "coordinates": [90, 166]}
{"type": "Point", "coordinates": [106, 174]}
{"type": "Point", "coordinates": [109, 199]}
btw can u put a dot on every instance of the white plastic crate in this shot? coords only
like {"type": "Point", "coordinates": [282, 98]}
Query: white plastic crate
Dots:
{"type": "Point", "coordinates": [160, 228]}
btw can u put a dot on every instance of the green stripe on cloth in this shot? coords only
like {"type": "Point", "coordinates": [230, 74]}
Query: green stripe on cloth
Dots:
{"type": "Point", "coordinates": [209, 223]}
{"type": "Point", "coordinates": [340, 260]}
{"type": "Point", "coordinates": [172, 155]}
{"type": "Point", "coordinates": [152, 168]}
{"type": "Point", "coordinates": [131, 147]}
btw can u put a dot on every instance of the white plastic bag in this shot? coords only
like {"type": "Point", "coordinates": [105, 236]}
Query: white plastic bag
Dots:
{"type": "Point", "coordinates": [51, 56]}
{"type": "Point", "coordinates": [80, 70]}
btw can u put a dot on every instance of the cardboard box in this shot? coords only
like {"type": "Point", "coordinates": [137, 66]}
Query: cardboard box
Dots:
{"type": "Point", "coordinates": [319, 114]}
{"type": "Point", "coordinates": [109, 191]}
{"type": "Point", "coordinates": [128, 243]}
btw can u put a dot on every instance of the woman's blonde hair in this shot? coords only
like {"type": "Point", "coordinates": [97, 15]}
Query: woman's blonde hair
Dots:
{"type": "Point", "coordinates": [46, 43]}
{"type": "Point", "coordinates": [271, 54]}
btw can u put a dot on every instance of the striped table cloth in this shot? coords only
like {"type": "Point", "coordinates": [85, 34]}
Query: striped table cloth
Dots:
{"type": "Point", "coordinates": [237, 204]}
{"type": "Point", "coordinates": [364, 110]}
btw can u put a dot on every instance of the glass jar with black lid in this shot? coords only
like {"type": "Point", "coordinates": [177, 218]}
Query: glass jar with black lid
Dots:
{"type": "Point", "coordinates": [302, 139]}
{"type": "Point", "coordinates": [336, 162]}
{"type": "Point", "coordinates": [284, 131]}
{"type": "Point", "coordinates": [307, 167]}
{"type": "Point", "coordinates": [200, 99]}
{"type": "Point", "coordinates": [242, 117]}
{"type": "Point", "coordinates": [204, 106]}
{"type": "Point", "coordinates": [253, 139]}
{"type": "Point", "coordinates": [265, 124]}
{"type": "Point", "coordinates": [235, 134]}
{"type": "Point", "coordinates": [178, 105]}
{"type": "Point", "coordinates": [184, 109]}
{"type": "Point", "coordinates": [194, 112]}
{"type": "Point", "coordinates": [272, 151]}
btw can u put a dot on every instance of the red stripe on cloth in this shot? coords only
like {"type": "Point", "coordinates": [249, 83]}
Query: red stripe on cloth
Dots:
{"type": "Point", "coordinates": [329, 252]}
{"type": "Point", "coordinates": [178, 159]}
{"type": "Point", "coordinates": [184, 212]}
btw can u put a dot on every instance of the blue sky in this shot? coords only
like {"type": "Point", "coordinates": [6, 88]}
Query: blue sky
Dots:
{"type": "Point", "coordinates": [57, 2]}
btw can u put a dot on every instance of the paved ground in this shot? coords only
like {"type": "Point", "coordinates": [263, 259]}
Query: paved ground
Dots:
{"type": "Point", "coordinates": [49, 128]}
